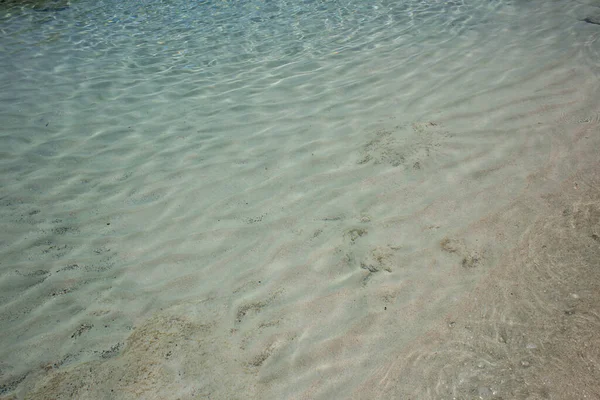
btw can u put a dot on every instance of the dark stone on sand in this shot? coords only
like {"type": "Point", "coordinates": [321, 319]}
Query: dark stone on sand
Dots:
{"type": "Point", "coordinates": [113, 351]}
{"type": "Point", "coordinates": [83, 328]}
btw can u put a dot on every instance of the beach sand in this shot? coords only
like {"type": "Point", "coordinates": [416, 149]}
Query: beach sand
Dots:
{"type": "Point", "coordinates": [423, 225]}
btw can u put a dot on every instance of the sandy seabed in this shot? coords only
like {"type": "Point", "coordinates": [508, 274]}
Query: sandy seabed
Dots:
{"type": "Point", "coordinates": [430, 232]}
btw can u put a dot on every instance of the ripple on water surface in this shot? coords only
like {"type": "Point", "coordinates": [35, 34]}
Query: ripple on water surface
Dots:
{"type": "Point", "coordinates": [298, 199]}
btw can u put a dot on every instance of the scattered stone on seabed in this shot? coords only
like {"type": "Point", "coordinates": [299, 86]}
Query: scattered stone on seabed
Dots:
{"type": "Point", "coordinates": [369, 267]}
{"type": "Point", "coordinates": [83, 328]}
{"type": "Point", "coordinates": [470, 261]}
{"type": "Point", "coordinates": [113, 351]}
{"type": "Point", "coordinates": [355, 233]}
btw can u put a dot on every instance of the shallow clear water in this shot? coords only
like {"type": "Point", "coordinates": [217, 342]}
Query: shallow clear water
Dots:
{"type": "Point", "coordinates": [299, 199]}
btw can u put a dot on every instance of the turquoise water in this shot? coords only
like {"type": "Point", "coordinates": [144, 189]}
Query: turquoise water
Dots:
{"type": "Point", "coordinates": [298, 199]}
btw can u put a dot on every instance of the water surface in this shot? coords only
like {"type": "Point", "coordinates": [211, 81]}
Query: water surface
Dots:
{"type": "Point", "coordinates": [299, 199]}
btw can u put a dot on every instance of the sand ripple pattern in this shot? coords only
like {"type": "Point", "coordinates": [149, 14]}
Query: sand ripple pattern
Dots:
{"type": "Point", "coordinates": [303, 200]}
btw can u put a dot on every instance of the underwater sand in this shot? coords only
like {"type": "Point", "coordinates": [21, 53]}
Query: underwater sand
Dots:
{"type": "Point", "coordinates": [300, 200]}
